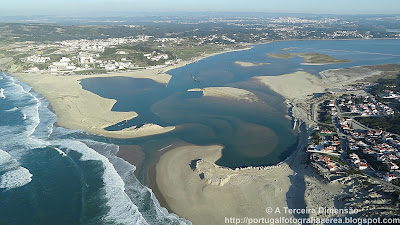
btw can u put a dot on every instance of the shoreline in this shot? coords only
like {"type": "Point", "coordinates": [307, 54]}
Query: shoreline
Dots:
{"type": "Point", "coordinates": [78, 109]}
{"type": "Point", "coordinates": [222, 191]}
{"type": "Point", "coordinates": [214, 189]}
{"type": "Point", "coordinates": [218, 190]}
{"type": "Point", "coordinates": [349, 39]}
{"type": "Point", "coordinates": [207, 186]}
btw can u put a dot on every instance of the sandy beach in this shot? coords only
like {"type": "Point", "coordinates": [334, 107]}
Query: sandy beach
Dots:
{"type": "Point", "coordinates": [79, 109]}
{"type": "Point", "coordinates": [222, 192]}
{"type": "Point", "coordinates": [195, 188]}
{"type": "Point", "coordinates": [187, 178]}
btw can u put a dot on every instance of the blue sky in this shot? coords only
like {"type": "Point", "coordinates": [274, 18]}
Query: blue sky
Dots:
{"type": "Point", "coordinates": [93, 7]}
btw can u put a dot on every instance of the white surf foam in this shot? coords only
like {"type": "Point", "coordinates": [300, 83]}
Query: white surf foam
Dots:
{"type": "Point", "coordinates": [14, 137]}
{"type": "Point", "coordinates": [33, 111]}
{"type": "Point", "coordinates": [122, 210]}
{"type": "Point", "coordinates": [36, 109]}
{"type": "Point", "coordinates": [12, 109]}
{"type": "Point", "coordinates": [140, 195]}
{"type": "Point", "coordinates": [60, 151]}
{"type": "Point", "coordinates": [4, 157]}
{"type": "Point", "coordinates": [2, 93]}
{"type": "Point", "coordinates": [15, 178]}
{"type": "Point", "coordinates": [27, 102]}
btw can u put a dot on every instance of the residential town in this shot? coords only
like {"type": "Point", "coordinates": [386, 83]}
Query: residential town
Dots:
{"type": "Point", "coordinates": [347, 146]}
{"type": "Point", "coordinates": [66, 50]}
{"type": "Point", "coordinates": [74, 56]}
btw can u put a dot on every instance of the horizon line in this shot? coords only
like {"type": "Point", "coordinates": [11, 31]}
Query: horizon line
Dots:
{"type": "Point", "coordinates": [123, 13]}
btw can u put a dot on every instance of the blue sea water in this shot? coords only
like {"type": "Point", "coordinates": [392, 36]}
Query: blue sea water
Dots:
{"type": "Point", "coordinates": [51, 175]}
{"type": "Point", "coordinates": [48, 176]}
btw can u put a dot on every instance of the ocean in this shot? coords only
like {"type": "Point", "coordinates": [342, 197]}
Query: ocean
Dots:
{"type": "Point", "coordinates": [52, 175]}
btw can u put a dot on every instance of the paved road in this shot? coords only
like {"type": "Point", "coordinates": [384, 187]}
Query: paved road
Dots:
{"type": "Point", "coordinates": [343, 137]}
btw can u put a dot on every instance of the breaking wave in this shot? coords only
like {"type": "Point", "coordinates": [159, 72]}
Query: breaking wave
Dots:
{"type": "Point", "coordinates": [4, 157]}
{"type": "Point", "coordinates": [15, 178]}
{"type": "Point", "coordinates": [15, 175]}
{"type": "Point", "coordinates": [2, 93]}
{"type": "Point", "coordinates": [30, 128]}
{"type": "Point", "coordinates": [122, 210]}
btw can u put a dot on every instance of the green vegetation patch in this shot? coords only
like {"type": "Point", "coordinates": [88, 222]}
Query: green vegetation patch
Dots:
{"type": "Point", "coordinates": [388, 123]}
{"type": "Point", "coordinates": [313, 58]}
{"type": "Point", "coordinates": [280, 55]}
{"type": "Point", "coordinates": [386, 84]}
{"type": "Point", "coordinates": [317, 58]}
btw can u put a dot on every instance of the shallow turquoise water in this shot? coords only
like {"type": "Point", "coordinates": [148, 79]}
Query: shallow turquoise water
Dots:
{"type": "Point", "coordinates": [205, 120]}
{"type": "Point", "coordinates": [51, 175]}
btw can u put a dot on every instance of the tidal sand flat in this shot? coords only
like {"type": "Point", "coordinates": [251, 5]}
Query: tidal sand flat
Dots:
{"type": "Point", "coordinates": [82, 110]}
{"type": "Point", "coordinates": [310, 58]}
{"type": "Point", "coordinates": [194, 186]}
{"type": "Point", "coordinates": [256, 132]}
{"type": "Point", "coordinates": [229, 93]}
{"type": "Point", "coordinates": [287, 49]}
{"type": "Point", "coordinates": [298, 85]}
{"type": "Point", "coordinates": [280, 55]}
{"type": "Point", "coordinates": [301, 85]}
{"type": "Point", "coordinates": [341, 77]}
{"type": "Point", "coordinates": [249, 64]}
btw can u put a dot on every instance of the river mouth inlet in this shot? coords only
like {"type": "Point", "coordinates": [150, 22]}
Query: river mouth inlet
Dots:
{"type": "Point", "coordinates": [253, 134]}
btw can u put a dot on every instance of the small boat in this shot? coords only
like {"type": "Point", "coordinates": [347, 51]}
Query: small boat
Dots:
{"type": "Point", "coordinates": [195, 79]}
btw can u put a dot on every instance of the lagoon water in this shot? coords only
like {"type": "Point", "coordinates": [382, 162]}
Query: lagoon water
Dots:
{"type": "Point", "coordinates": [252, 133]}
{"type": "Point", "coordinates": [51, 175]}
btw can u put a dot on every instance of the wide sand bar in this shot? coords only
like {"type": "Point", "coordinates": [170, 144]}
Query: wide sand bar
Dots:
{"type": "Point", "coordinates": [249, 64]}
{"type": "Point", "coordinates": [296, 85]}
{"type": "Point", "coordinates": [229, 93]}
{"type": "Point", "coordinates": [197, 189]}
{"type": "Point", "coordinates": [82, 110]}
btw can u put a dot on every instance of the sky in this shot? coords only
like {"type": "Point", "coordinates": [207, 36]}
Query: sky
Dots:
{"type": "Point", "coordinates": [119, 7]}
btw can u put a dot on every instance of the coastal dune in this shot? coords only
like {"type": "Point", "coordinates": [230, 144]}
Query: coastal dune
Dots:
{"type": "Point", "coordinates": [197, 189]}
{"type": "Point", "coordinates": [82, 110]}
